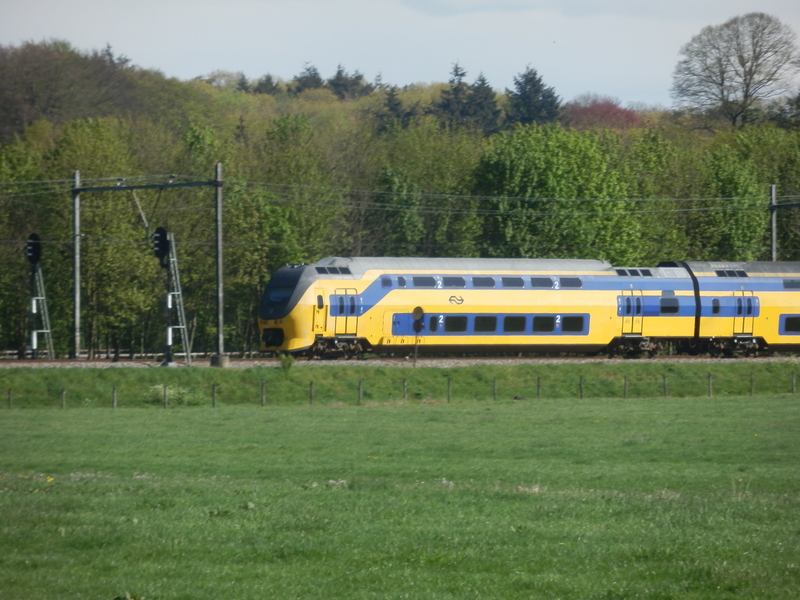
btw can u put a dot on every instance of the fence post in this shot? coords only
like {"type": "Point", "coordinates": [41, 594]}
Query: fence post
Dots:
{"type": "Point", "coordinates": [752, 384]}
{"type": "Point", "coordinates": [405, 390]}
{"type": "Point", "coordinates": [63, 398]}
{"type": "Point", "coordinates": [213, 395]}
{"type": "Point", "coordinates": [625, 387]}
{"type": "Point", "coordinates": [794, 384]}
{"type": "Point", "coordinates": [710, 386]}
{"type": "Point", "coordinates": [263, 392]}
{"type": "Point", "coordinates": [165, 396]}
{"type": "Point", "coordinates": [538, 387]}
{"type": "Point", "coordinates": [494, 389]}
{"type": "Point", "coordinates": [310, 393]}
{"type": "Point", "coordinates": [360, 390]}
{"type": "Point", "coordinates": [114, 398]}
{"type": "Point", "coordinates": [581, 387]}
{"type": "Point", "coordinates": [666, 388]}
{"type": "Point", "coordinates": [449, 385]}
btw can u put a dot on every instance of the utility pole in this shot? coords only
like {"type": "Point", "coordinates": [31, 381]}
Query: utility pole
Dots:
{"type": "Point", "coordinates": [773, 203]}
{"type": "Point", "coordinates": [219, 360]}
{"type": "Point", "coordinates": [76, 265]}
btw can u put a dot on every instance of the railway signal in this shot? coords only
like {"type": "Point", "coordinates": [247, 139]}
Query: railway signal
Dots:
{"type": "Point", "coordinates": [33, 249]}
{"type": "Point", "coordinates": [160, 243]}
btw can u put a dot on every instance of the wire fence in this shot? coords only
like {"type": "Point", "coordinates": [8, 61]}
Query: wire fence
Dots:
{"type": "Point", "coordinates": [276, 388]}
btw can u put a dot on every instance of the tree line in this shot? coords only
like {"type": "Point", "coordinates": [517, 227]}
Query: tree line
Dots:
{"type": "Point", "coordinates": [434, 170]}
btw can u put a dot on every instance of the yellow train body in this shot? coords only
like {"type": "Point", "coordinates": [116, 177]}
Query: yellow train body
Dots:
{"type": "Point", "coordinates": [394, 305]}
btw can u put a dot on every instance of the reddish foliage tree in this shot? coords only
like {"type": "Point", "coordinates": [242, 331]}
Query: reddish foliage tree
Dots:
{"type": "Point", "coordinates": [593, 112]}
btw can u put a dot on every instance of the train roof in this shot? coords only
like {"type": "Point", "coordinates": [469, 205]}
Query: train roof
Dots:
{"type": "Point", "coordinates": [751, 268]}
{"type": "Point", "coordinates": [359, 265]}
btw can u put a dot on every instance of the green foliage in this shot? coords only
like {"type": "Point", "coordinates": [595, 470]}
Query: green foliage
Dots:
{"type": "Point", "coordinates": [533, 176]}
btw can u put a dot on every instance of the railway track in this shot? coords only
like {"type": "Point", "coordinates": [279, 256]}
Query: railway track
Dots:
{"type": "Point", "coordinates": [396, 362]}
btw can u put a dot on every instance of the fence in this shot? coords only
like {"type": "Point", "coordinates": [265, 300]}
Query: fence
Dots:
{"type": "Point", "coordinates": [441, 388]}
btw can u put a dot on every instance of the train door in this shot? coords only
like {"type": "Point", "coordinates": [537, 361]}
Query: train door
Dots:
{"type": "Point", "coordinates": [320, 314]}
{"type": "Point", "coordinates": [632, 312]}
{"type": "Point", "coordinates": [345, 312]}
{"type": "Point", "coordinates": [743, 312]}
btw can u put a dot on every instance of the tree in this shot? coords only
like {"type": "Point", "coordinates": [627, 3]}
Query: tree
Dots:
{"type": "Point", "coordinates": [309, 79]}
{"type": "Point", "coordinates": [483, 111]}
{"type": "Point", "coordinates": [266, 85]}
{"type": "Point", "coordinates": [590, 111]}
{"type": "Point", "coordinates": [729, 68]}
{"type": "Point", "coordinates": [348, 87]}
{"type": "Point", "coordinates": [531, 101]}
{"type": "Point", "coordinates": [453, 106]}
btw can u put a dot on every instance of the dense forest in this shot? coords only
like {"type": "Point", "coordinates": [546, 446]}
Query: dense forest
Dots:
{"type": "Point", "coordinates": [341, 166]}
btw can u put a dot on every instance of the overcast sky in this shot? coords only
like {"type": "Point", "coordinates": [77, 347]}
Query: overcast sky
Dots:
{"type": "Point", "coordinates": [626, 49]}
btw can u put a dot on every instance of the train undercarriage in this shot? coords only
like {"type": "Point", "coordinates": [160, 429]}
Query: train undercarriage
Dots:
{"type": "Point", "coordinates": [351, 347]}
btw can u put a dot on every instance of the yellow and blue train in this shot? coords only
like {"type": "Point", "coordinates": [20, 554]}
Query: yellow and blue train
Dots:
{"type": "Point", "coordinates": [348, 306]}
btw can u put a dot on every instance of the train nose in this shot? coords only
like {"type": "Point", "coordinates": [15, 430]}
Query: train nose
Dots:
{"type": "Point", "coordinates": [272, 337]}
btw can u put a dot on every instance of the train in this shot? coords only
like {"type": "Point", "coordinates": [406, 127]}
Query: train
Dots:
{"type": "Point", "coordinates": [347, 307]}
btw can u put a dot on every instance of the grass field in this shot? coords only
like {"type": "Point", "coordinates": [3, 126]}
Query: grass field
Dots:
{"type": "Point", "coordinates": [601, 497]}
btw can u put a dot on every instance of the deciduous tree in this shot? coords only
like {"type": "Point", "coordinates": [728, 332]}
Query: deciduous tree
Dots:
{"type": "Point", "coordinates": [729, 68]}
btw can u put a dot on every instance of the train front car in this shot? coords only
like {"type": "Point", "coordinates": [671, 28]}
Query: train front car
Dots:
{"type": "Point", "coordinates": [286, 312]}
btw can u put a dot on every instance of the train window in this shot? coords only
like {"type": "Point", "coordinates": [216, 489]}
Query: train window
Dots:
{"type": "Point", "coordinates": [572, 324]}
{"type": "Point", "coordinates": [483, 282]}
{"type": "Point", "coordinates": [627, 305]}
{"type": "Point", "coordinates": [622, 272]}
{"type": "Point", "coordinates": [352, 305]}
{"type": "Point", "coordinates": [669, 306]}
{"type": "Point", "coordinates": [512, 282]}
{"type": "Point", "coordinates": [341, 305]}
{"type": "Point", "coordinates": [455, 324]}
{"type": "Point", "coordinates": [633, 272]}
{"type": "Point", "coordinates": [320, 302]}
{"type": "Point", "coordinates": [739, 307]}
{"type": "Point", "coordinates": [791, 284]}
{"type": "Point", "coordinates": [541, 282]}
{"type": "Point", "coordinates": [485, 324]}
{"type": "Point", "coordinates": [279, 295]}
{"type": "Point", "coordinates": [401, 281]}
{"type": "Point", "coordinates": [715, 306]}
{"type": "Point", "coordinates": [571, 282]}
{"type": "Point", "coordinates": [721, 273]}
{"type": "Point", "coordinates": [638, 305]}
{"type": "Point", "coordinates": [749, 307]}
{"type": "Point", "coordinates": [647, 273]}
{"type": "Point", "coordinates": [345, 270]}
{"type": "Point", "coordinates": [424, 281]}
{"type": "Point", "coordinates": [741, 273]}
{"type": "Point", "coordinates": [514, 324]}
{"type": "Point", "coordinates": [731, 273]}
{"type": "Point", "coordinates": [433, 324]}
{"type": "Point", "coordinates": [543, 324]}
{"type": "Point", "coordinates": [321, 270]}
{"type": "Point", "coordinates": [792, 325]}
{"type": "Point", "coordinates": [386, 282]}
{"type": "Point", "coordinates": [451, 282]}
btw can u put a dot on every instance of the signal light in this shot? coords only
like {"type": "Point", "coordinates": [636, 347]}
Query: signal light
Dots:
{"type": "Point", "coordinates": [418, 314]}
{"type": "Point", "coordinates": [160, 243]}
{"type": "Point", "coordinates": [34, 249]}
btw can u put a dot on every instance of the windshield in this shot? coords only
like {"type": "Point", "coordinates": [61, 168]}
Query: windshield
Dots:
{"type": "Point", "coordinates": [278, 295]}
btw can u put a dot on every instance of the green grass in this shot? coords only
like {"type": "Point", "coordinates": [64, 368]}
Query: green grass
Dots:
{"type": "Point", "coordinates": [553, 498]}
{"type": "Point", "coordinates": [337, 383]}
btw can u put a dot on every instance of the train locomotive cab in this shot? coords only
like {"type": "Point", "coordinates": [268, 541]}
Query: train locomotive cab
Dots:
{"type": "Point", "coordinates": [279, 322]}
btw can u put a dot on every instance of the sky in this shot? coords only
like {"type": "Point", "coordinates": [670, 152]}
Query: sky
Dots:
{"type": "Point", "coordinates": [624, 49]}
